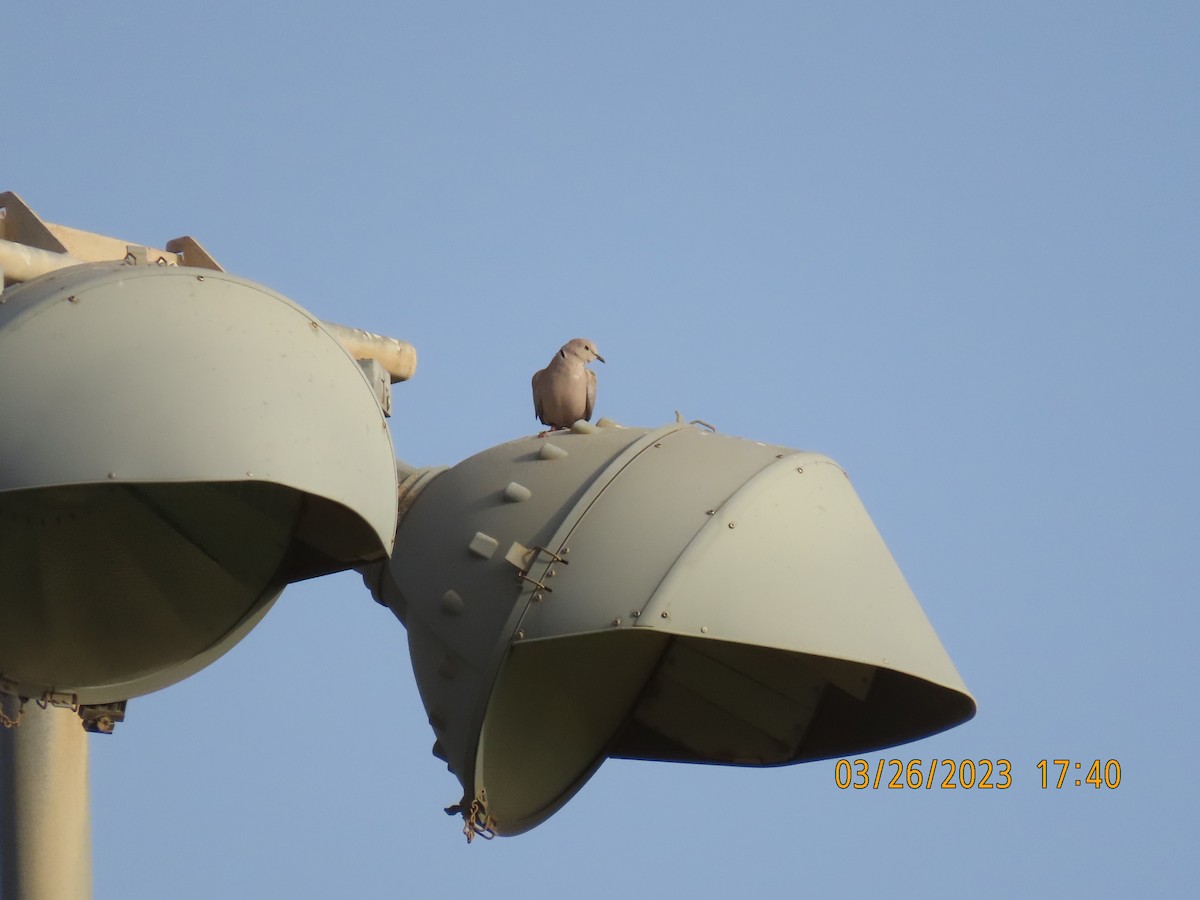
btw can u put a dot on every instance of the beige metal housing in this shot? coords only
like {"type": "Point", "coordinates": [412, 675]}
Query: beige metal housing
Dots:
{"type": "Point", "coordinates": [665, 593]}
{"type": "Point", "coordinates": [178, 444]}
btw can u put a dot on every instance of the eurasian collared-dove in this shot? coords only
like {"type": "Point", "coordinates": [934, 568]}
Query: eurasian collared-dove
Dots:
{"type": "Point", "coordinates": [565, 391]}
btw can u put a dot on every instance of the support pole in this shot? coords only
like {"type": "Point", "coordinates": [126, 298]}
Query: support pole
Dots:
{"type": "Point", "coordinates": [45, 829]}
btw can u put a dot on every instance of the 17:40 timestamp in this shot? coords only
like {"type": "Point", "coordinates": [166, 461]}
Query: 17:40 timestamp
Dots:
{"type": "Point", "coordinates": [1100, 773]}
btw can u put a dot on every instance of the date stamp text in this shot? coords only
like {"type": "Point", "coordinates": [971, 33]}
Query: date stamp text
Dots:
{"type": "Point", "coordinates": [970, 774]}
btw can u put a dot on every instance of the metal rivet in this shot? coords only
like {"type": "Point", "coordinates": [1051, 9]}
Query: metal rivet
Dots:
{"type": "Point", "coordinates": [666, 615]}
{"type": "Point", "coordinates": [636, 613]}
{"type": "Point", "coordinates": [800, 469]}
{"type": "Point", "coordinates": [483, 545]}
{"type": "Point", "coordinates": [452, 603]}
{"type": "Point", "coordinates": [72, 299]}
{"type": "Point", "coordinates": [704, 629]}
{"type": "Point", "coordinates": [616, 621]}
{"type": "Point", "coordinates": [521, 635]}
{"type": "Point", "coordinates": [710, 512]}
{"type": "Point", "coordinates": [537, 597]}
{"type": "Point", "coordinates": [517, 493]}
{"type": "Point", "coordinates": [551, 572]}
{"type": "Point", "coordinates": [733, 524]}
{"type": "Point", "coordinates": [199, 277]}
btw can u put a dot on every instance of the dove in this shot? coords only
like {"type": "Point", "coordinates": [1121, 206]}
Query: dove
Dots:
{"type": "Point", "coordinates": [565, 391]}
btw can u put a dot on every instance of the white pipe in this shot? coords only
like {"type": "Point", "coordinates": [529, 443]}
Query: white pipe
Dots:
{"type": "Point", "coordinates": [398, 358]}
{"type": "Point", "coordinates": [21, 263]}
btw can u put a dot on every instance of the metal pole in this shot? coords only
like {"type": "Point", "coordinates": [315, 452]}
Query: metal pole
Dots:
{"type": "Point", "coordinates": [45, 828]}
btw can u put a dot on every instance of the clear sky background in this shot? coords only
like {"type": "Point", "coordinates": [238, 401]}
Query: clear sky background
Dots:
{"type": "Point", "coordinates": [952, 245]}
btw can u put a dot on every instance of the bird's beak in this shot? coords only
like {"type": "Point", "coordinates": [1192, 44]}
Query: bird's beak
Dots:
{"type": "Point", "coordinates": [599, 357]}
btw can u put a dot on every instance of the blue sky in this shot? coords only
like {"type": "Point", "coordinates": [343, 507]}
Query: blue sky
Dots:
{"type": "Point", "coordinates": [951, 245]}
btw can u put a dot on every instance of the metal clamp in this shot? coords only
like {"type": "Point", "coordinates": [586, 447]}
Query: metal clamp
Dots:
{"type": "Point", "coordinates": [63, 700]}
{"type": "Point", "coordinates": [11, 721]}
{"type": "Point", "coordinates": [476, 821]}
{"type": "Point", "coordinates": [521, 576]}
{"type": "Point", "coordinates": [102, 718]}
{"type": "Point", "coordinates": [554, 556]}
{"type": "Point", "coordinates": [532, 555]}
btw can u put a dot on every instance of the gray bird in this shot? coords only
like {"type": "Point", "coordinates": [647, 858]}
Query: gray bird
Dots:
{"type": "Point", "coordinates": [565, 391]}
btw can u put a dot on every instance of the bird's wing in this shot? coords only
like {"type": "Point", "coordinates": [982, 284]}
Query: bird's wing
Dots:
{"type": "Point", "coordinates": [590, 404]}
